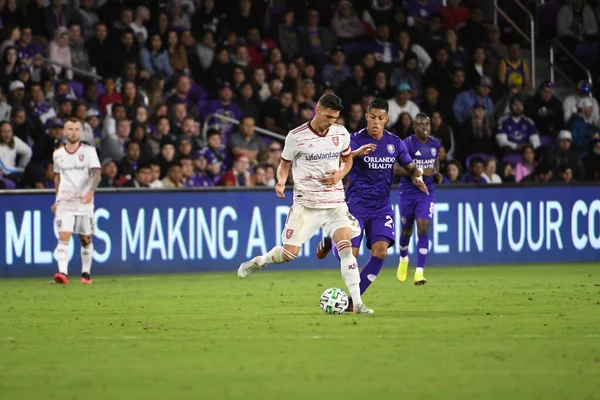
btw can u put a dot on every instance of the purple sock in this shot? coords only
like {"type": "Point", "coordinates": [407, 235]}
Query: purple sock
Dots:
{"type": "Point", "coordinates": [335, 252]}
{"type": "Point", "coordinates": [404, 241]}
{"type": "Point", "coordinates": [370, 272]}
{"type": "Point", "coordinates": [422, 245]}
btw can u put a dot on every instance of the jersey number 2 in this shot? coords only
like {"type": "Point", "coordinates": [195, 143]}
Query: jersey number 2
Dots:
{"type": "Point", "coordinates": [389, 221]}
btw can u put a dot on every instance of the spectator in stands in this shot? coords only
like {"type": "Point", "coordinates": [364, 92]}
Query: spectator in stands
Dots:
{"type": "Point", "coordinates": [125, 53]}
{"type": "Point", "coordinates": [401, 103]}
{"type": "Point", "coordinates": [502, 105]}
{"type": "Point", "coordinates": [478, 67]}
{"type": "Point", "coordinates": [489, 173]}
{"type": "Point", "coordinates": [453, 173]}
{"type": "Point", "coordinates": [345, 23]}
{"type": "Point", "coordinates": [131, 98]}
{"type": "Point", "coordinates": [432, 103]}
{"type": "Point", "coordinates": [419, 12]}
{"type": "Point", "coordinates": [582, 125]}
{"type": "Point", "coordinates": [475, 174]}
{"type": "Point", "coordinates": [565, 174]}
{"type": "Point", "coordinates": [155, 182]}
{"type": "Point", "coordinates": [200, 175]}
{"type": "Point", "coordinates": [60, 53]}
{"type": "Point", "coordinates": [101, 51]}
{"type": "Point", "coordinates": [45, 146]}
{"type": "Point", "coordinates": [13, 35]}
{"type": "Point", "coordinates": [542, 174]}
{"type": "Point", "coordinates": [315, 41]}
{"type": "Point", "coordinates": [434, 35]}
{"type": "Point", "coordinates": [87, 133]}
{"type": "Point", "coordinates": [110, 96]}
{"type": "Point", "coordinates": [305, 113]}
{"type": "Point", "coordinates": [174, 176]}
{"type": "Point", "coordinates": [8, 70]}
{"type": "Point", "coordinates": [576, 23]}
{"type": "Point", "coordinates": [465, 101]}
{"type": "Point", "coordinates": [65, 107]}
{"type": "Point", "coordinates": [57, 15]}
{"type": "Point", "coordinates": [442, 131]}
{"type": "Point", "coordinates": [457, 86]}
{"type": "Point", "coordinates": [205, 51]}
{"type": "Point", "coordinates": [476, 134]}
{"type": "Point", "coordinates": [109, 173]}
{"type": "Point", "coordinates": [79, 55]}
{"type": "Point", "coordinates": [16, 94]}
{"type": "Point", "coordinates": [206, 18]}
{"type": "Point", "coordinates": [515, 129]}
{"type": "Point", "coordinates": [279, 114]}
{"type": "Point", "coordinates": [288, 35]}
{"type": "Point", "coordinates": [527, 165]}
{"type": "Point", "coordinates": [182, 95]}
{"type": "Point", "coordinates": [113, 146]}
{"type": "Point", "coordinates": [379, 13]}
{"type": "Point", "coordinates": [223, 105]}
{"type": "Point", "coordinates": [354, 88]}
{"type": "Point", "coordinates": [45, 177]}
{"type": "Point", "coordinates": [356, 118]}
{"type": "Point", "coordinates": [142, 16]}
{"type": "Point", "coordinates": [246, 141]}
{"type": "Point", "coordinates": [563, 155]}
{"type": "Point", "coordinates": [336, 71]}
{"type": "Point", "coordinates": [214, 153]}
{"type": "Point", "coordinates": [454, 14]}
{"type": "Point", "coordinates": [439, 71]}
{"type": "Point", "coordinates": [154, 58]}
{"type": "Point", "coordinates": [109, 125]}
{"type": "Point", "coordinates": [26, 49]}
{"type": "Point", "coordinates": [384, 51]}
{"type": "Point", "coordinates": [591, 162]}
{"type": "Point", "coordinates": [220, 71]}
{"type": "Point", "coordinates": [129, 163]}
{"type": "Point", "coordinates": [495, 49]}
{"type": "Point", "coordinates": [180, 13]}
{"type": "Point", "coordinates": [245, 17]}
{"type": "Point", "coordinates": [239, 175]}
{"type": "Point", "coordinates": [514, 71]}
{"type": "Point", "coordinates": [258, 47]}
{"type": "Point", "coordinates": [138, 135]}
{"type": "Point", "coordinates": [457, 55]}
{"type": "Point", "coordinates": [404, 126]}
{"type": "Point", "coordinates": [410, 73]}
{"type": "Point", "coordinates": [405, 46]}
{"type": "Point", "coordinates": [545, 110]}
{"type": "Point", "coordinates": [143, 177]}
{"type": "Point", "coordinates": [571, 103]}
{"type": "Point", "coordinates": [382, 89]}
{"type": "Point", "coordinates": [5, 108]}
{"type": "Point", "coordinates": [473, 32]}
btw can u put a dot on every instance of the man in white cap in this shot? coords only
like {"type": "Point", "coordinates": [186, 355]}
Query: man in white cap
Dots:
{"type": "Point", "coordinates": [16, 93]}
{"type": "Point", "coordinates": [570, 104]}
{"type": "Point", "coordinates": [582, 125]}
{"type": "Point", "coordinates": [563, 155]}
{"type": "Point", "coordinates": [400, 104]}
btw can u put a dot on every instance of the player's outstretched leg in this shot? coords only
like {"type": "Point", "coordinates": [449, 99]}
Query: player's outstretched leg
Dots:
{"type": "Point", "coordinates": [372, 268]}
{"type": "Point", "coordinates": [277, 255]}
{"type": "Point", "coordinates": [324, 247]}
{"type": "Point", "coordinates": [87, 251]}
{"type": "Point", "coordinates": [62, 257]}
{"type": "Point", "coordinates": [422, 249]}
{"type": "Point", "coordinates": [406, 233]}
{"type": "Point", "coordinates": [349, 268]}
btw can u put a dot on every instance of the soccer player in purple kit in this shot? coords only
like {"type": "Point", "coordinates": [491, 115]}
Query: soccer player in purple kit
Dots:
{"type": "Point", "coordinates": [375, 151]}
{"type": "Point", "coordinates": [417, 204]}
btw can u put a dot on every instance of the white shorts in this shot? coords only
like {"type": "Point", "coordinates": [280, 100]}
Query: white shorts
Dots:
{"type": "Point", "coordinates": [77, 224]}
{"type": "Point", "coordinates": [302, 223]}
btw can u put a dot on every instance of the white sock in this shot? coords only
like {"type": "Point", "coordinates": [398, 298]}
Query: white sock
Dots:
{"type": "Point", "coordinates": [419, 269]}
{"type": "Point", "coordinates": [62, 257]}
{"type": "Point", "coordinates": [404, 258]}
{"type": "Point", "coordinates": [277, 255]}
{"type": "Point", "coordinates": [86, 258]}
{"type": "Point", "coordinates": [349, 268]}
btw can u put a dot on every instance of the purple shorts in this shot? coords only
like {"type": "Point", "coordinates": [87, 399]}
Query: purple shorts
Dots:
{"type": "Point", "coordinates": [377, 226]}
{"type": "Point", "coordinates": [412, 208]}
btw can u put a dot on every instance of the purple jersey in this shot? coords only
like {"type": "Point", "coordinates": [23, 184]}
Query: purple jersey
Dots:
{"type": "Point", "coordinates": [518, 131]}
{"type": "Point", "coordinates": [424, 156]}
{"type": "Point", "coordinates": [370, 179]}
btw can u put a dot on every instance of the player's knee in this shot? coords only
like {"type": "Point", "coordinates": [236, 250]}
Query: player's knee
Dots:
{"type": "Point", "coordinates": [407, 232]}
{"type": "Point", "coordinates": [85, 240]}
{"type": "Point", "coordinates": [294, 250]}
{"type": "Point", "coordinates": [380, 249]}
{"type": "Point", "coordinates": [422, 227]}
{"type": "Point", "coordinates": [64, 236]}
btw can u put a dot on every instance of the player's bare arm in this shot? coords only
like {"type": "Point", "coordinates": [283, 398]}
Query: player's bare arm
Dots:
{"type": "Point", "coordinates": [337, 175]}
{"type": "Point", "coordinates": [283, 171]}
{"type": "Point", "coordinates": [56, 185]}
{"type": "Point", "coordinates": [438, 176]}
{"type": "Point", "coordinates": [95, 177]}
{"type": "Point", "coordinates": [364, 150]}
{"type": "Point", "coordinates": [415, 174]}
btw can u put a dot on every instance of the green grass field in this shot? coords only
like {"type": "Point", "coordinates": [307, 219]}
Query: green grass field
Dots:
{"type": "Point", "coordinates": [471, 333]}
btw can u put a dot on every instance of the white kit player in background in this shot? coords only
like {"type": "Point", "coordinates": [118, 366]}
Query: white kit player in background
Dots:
{"type": "Point", "coordinates": [77, 176]}
{"type": "Point", "coordinates": [313, 150]}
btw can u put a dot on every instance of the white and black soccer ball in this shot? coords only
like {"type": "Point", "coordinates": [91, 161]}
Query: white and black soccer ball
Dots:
{"type": "Point", "coordinates": [334, 301]}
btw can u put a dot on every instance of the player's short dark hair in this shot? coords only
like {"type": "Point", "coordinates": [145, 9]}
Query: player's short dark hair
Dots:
{"type": "Point", "coordinates": [72, 120]}
{"type": "Point", "coordinates": [379, 104]}
{"type": "Point", "coordinates": [421, 116]}
{"type": "Point", "coordinates": [331, 101]}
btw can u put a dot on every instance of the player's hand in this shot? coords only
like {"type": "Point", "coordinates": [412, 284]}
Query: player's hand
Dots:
{"type": "Point", "coordinates": [335, 175]}
{"type": "Point", "coordinates": [279, 188]}
{"type": "Point", "coordinates": [53, 208]}
{"type": "Point", "coordinates": [421, 185]}
{"type": "Point", "coordinates": [87, 198]}
{"type": "Point", "coordinates": [364, 150]}
{"type": "Point", "coordinates": [439, 178]}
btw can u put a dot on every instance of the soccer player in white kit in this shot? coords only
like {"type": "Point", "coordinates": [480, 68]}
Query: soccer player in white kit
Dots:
{"type": "Point", "coordinates": [77, 176]}
{"type": "Point", "coordinates": [313, 150]}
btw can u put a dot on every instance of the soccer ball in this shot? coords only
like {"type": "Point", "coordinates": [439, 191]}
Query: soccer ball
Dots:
{"type": "Point", "coordinates": [334, 301]}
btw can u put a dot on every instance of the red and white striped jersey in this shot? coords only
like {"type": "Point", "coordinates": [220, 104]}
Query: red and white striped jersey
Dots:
{"type": "Point", "coordinates": [313, 156]}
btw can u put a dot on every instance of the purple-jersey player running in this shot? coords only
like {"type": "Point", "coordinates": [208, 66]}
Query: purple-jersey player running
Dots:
{"type": "Point", "coordinates": [416, 204]}
{"type": "Point", "coordinates": [375, 151]}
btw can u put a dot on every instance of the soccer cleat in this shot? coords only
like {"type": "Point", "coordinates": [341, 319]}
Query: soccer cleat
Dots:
{"type": "Point", "coordinates": [324, 247]}
{"type": "Point", "coordinates": [247, 268]}
{"type": "Point", "coordinates": [61, 278]}
{"type": "Point", "coordinates": [419, 279]}
{"type": "Point", "coordinates": [85, 278]}
{"type": "Point", "coordinates": [402, 269]}
{"type": "Point", "coordinates": [350, 305]}
{"type": "Point", "coordinates": [362, 309]}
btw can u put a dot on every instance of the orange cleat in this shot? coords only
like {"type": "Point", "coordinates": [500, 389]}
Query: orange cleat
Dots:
{"type": "Point", "coordinates": [85, 278]}
{"type": "Point", "coordinates": [324, 247]}
{"type": "Point", "coordinates": [61, 278]}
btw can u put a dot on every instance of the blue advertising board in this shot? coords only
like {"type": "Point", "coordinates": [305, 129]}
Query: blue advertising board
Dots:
{"type": "Point", "coordinates": [191, 231]}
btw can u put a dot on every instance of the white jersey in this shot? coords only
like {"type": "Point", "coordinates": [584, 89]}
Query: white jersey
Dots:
{"type": "Point", "coordinates": [313, 156]}
{"type": "Point", "coordinates": [75, 174]}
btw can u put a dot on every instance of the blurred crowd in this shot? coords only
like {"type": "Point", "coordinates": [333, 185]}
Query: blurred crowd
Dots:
{"type": "Point", "coordinates": [157, 86]}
